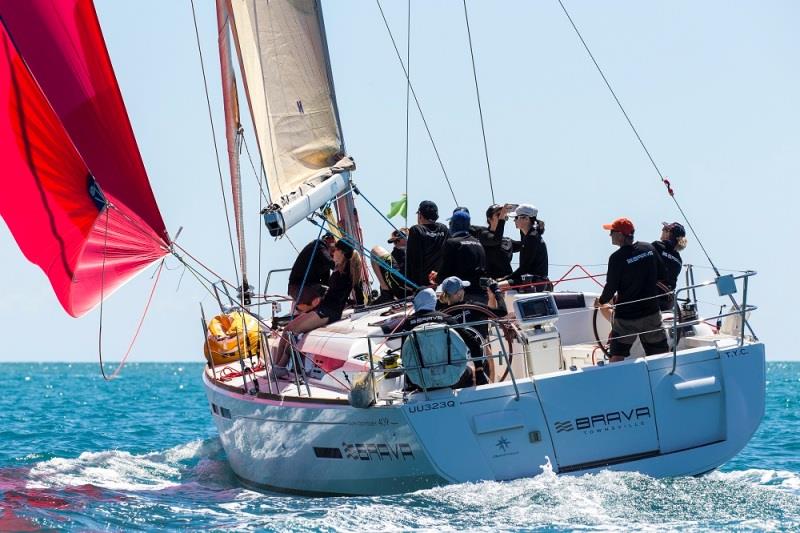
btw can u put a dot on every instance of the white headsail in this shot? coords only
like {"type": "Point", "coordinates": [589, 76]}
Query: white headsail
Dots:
{"type": "Point", "coordinates": [283, 56]}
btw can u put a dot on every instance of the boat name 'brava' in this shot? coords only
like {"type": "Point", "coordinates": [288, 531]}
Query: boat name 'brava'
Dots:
{"type": "Point", "coordinates": [603, 420]}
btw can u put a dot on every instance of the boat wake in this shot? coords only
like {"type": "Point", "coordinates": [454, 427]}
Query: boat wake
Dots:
{"type": "Point", "coordinates": [191, 485]}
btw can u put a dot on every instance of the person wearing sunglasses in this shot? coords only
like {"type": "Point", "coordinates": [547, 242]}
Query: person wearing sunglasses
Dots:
{"type": "Point", "coordinates": [633, 271]}
{"type": "Point", "coordinates": [532, 250]}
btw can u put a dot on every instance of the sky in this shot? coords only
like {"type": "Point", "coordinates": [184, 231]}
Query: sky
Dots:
{"type": "Point", "coordinates": [711, 86]}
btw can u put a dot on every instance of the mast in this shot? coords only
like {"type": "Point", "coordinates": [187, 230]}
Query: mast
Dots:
{"type": "Point", "coordinates": [233, 136]}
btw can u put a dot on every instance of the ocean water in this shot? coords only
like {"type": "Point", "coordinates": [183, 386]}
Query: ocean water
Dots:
{"type": "Point", "coordinates": [141, 453]}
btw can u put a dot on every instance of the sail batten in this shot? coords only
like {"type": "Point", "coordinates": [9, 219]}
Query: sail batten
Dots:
{"type": "Point", "coordinates": [81, 208]}
{"type": "Point", "coordinates": [283, 58]}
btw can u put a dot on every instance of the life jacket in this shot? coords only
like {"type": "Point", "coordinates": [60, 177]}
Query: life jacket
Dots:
{"type": "Point", "coordinates": [226, 338]}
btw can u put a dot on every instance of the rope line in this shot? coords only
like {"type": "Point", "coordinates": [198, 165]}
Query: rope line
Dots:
{"type": "Point", "coordinates": [416, 101]}
{"type": "Point", "coordinates": [478, 96]}
{"type": "Point", "coordinates": [214, 138]}
{"type": "Point", "coordinates": [639, 138]}
{"type": "Point", "coordinates": [102, 298]}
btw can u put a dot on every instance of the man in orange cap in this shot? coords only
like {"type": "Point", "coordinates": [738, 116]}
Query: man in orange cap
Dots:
{"type": "Point", "coordinates": [633, 272]}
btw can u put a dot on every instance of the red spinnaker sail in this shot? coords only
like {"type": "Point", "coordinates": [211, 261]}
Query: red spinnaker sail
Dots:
{"type": "Point", "coordinates": [75, 193]}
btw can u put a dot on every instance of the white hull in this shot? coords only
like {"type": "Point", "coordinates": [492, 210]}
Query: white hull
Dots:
{"type": "Point", "coordinates": [633, 415]}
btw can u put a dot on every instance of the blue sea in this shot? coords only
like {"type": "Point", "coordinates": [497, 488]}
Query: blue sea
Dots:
{"type": "Point", "coordinates": [141, 453]}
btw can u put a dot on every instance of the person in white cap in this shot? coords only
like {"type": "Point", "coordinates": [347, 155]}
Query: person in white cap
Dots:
{"type": "Point", "coordinates": [532, 250]}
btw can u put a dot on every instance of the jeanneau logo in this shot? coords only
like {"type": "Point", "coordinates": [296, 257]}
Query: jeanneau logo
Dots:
{"type": "Point", "coordinates": [503, 444]}
{"type": "Point", "coordinates": [611, 421]}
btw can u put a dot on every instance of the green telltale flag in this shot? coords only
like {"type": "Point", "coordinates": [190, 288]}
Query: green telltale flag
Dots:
{"type": "Point", "coordinates": [400, 207]}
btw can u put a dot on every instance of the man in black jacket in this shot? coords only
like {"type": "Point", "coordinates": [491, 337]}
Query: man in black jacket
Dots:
{"type": "Point", "coordinates": [633, 271]}
{"type": "Point", "coordinates": [425, 244]}
{"type": "Point", "coordinates": [532, 251]}
{"type": "Point", "coordinates": [463, 256]}
{"type": "Point", "coordinates": [317, 254]}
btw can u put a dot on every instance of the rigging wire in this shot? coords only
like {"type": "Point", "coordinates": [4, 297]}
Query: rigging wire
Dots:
{"type": "Point", "coordinates": [408, 114]}
{"type": "Point", "coordinates": [478, 96]}
{"type": "Point", "coordinates": [214, 138]}
{"type": "Point", "coordinates": [408, 100]}
{"type": "Point", "coordinates": [639, 138]}
{"type": "Point", "coordinates": [416, 101]}
{"type": "Point", "coordinates": [256, 174]}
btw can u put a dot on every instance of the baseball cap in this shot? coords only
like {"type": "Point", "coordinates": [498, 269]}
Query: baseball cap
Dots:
{"type": "Point", "coordinates": [460, 221]}
{"type": "Point", "coordinates": [398, 234]}
{"type": "Point", "coordinates": [526, 210]}
{"type": "Point", "coordinates": [675, 229]}
{"type": "Point", "coordinates": [459, 208]}
{"type": "Point", "coordinates": [622, 225]}
{"type": "Point", "coordinates": [428, 210]}
{"type": "Point", "coordinates": [425, 300]}
{"type": "Point", "coordinates": [452, 285]}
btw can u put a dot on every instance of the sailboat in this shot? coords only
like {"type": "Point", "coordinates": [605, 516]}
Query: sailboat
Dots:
{"type": "Point", "coordinates": [343, 421]}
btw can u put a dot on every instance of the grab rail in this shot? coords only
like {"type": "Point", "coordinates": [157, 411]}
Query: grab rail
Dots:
{"type": "Point", "coordinates": [739, 309]}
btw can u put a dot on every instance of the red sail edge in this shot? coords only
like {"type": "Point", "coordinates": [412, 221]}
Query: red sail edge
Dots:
{"type": "Point", "coordinates": [75, 194]}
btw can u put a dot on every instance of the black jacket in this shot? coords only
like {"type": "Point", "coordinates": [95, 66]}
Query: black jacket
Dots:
{"type": "Point", "coordinates": [498, 249]}
{"type": "Point", "coordinates": [316, 252]}
{"type": "Point", "coordinates": [463, 257]}
{"type": "Point", "coordinates": [672, 263]}
{"type": "Point", "coordinates": [335, 299]}
{"type": "Point", "coordinates": [532, 257]}
{"type": "Point", "coordinates": [424, 250]}
{"type": "Point", "coordinates": [633, 271]}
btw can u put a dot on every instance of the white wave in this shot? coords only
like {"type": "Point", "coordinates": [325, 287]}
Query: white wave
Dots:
{"type": "Point", "coordinates": [121, 470]}
{"type": "Point", "coordinates": [780, 479]}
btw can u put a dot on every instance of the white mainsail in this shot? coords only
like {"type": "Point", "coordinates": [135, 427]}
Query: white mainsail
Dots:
{"type": "Point", "coordinates": [283, 57]}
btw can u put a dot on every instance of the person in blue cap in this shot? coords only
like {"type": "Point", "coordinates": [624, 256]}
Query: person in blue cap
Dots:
{"type": "Point", "coordinates": [463, 255]}
{"type": "Point", "coordinates": [425, 244]}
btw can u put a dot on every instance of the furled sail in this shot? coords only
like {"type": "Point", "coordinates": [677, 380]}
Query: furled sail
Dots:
{"type": "Point", "coordinates": [75, 192]}
{"type": "Point", "coordinates": [283, 54]}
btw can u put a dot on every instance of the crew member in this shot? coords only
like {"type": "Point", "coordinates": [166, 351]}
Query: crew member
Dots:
{"type": "Point", "coordinates": [392, 286]}
{"type": "Point", "coordinates": [532, 250]}
{"type": "Point", "coordinates": [315, 258]}
{"type": "Point", "coordinates": [498, 249]}
{"type": "Point", "coordinates": [451, 293]}
{"type": "Point", "coordinates": [425, 244]}
{"type": "Point", "coordinates": [673, 241]}
{"type": "Point", "coordinates": [463, 255]}
{"type": "Point", "coordinates": [330, 308]}
{"type": "Point", "coordinates": [633, 271]}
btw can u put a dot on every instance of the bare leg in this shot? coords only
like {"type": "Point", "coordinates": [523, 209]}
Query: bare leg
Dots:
{"type": "Point", "coordinates": [378, 251]}
{"type": "Point", "coordinates": [302, 324]}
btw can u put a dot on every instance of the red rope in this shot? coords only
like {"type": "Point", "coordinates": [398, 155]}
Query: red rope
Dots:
{"type": "Point", "coordinates": [141, 321]}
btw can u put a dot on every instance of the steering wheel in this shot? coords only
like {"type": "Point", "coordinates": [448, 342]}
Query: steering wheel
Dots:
{"type": "Point", "coordinates": [597, 335]}
{"type": "Point", "coordinates": [508, 330]}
